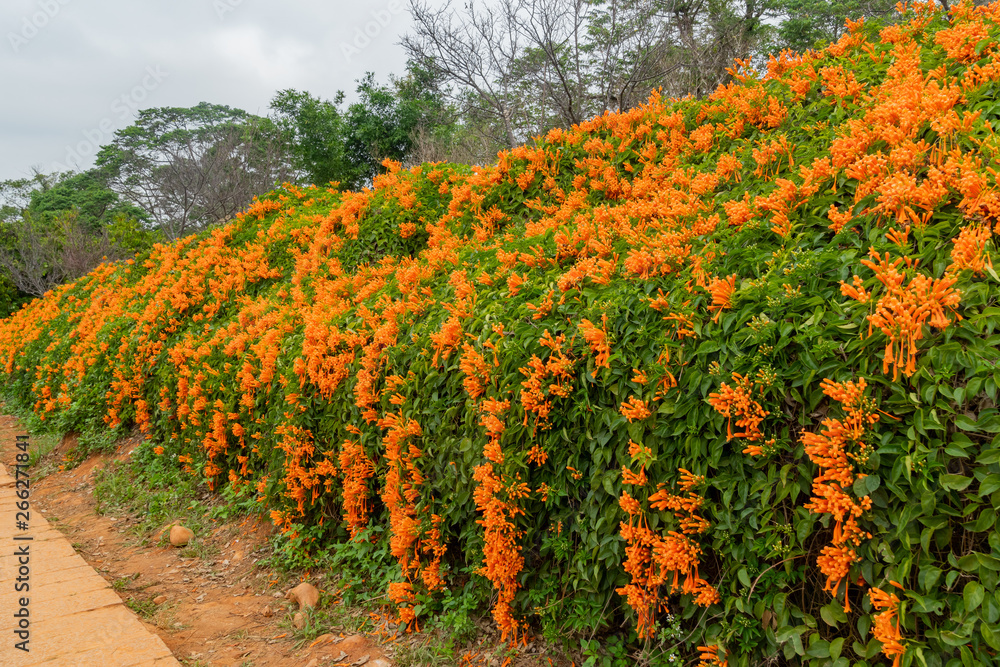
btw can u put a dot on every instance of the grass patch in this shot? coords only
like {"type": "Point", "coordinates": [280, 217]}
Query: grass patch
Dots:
{"type": "Point", "coordinates": [122, 583]}
{"type": "Point", "coordinates": [144, 608]}
{"type": "Point", "coordinates": [200, 549]}
{"type": "Point", "coordinates": [157, 491]}
{"type": "Point", "coordinates": [39, 449]}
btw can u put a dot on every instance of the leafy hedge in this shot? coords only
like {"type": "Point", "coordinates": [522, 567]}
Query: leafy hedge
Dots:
{"type": "Point", "coordinates": [720, 372]}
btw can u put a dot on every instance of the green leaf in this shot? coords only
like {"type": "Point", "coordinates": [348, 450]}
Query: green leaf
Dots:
{"type": "Point", "coordinates": [836, 646]}
{"type": "Point", "coordinates": [833, 613]}
{"type": "Point", "coordinates": [819, 649]}
{"type": "Point", "coordinates": [872, 482]}
{"type": "Point", "coordinates": [988, 457]}
{"type": "Point", "coordinates": [708, 347]}
{"type": "Point", "coordinates": [966, 424]}
{"type": "Point", "coordinates": [955, 482]}
{"type": "Point", "coordinates": [987, 561]}
{"type": "Point", "coordinates": [744, 577]}
{"type": "Point", "coordinates": [953, 638]}
{"type": "Point", "coordinates": [989, 636]}
{"type": "Point", "coordinates": [989, 485]}
{"type": "Point", "coordinates": [973, 595]}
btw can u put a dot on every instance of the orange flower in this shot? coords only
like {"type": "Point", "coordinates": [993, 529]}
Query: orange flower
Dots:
{"type": "Point", "coordinates": [886, 624]}
{"type": "Point", "coordinates": [537, 455]}
{"type": "Point", "coordinates": [737, 402]}
{"type": "Point", "coordinates": [721, 291]}
{"type": "Point", "coordinates": [634, 409]}
{"type": "Point", "coordinates": [598, 340]}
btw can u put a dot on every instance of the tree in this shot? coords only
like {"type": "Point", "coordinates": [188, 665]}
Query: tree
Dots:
{"type": "Point", "coordinates": [15, 194]}
{"type": "Point", "coordinates": [58, 227]}
{"type": "Point", "coordinates": [41, 251]}
{"type": "Point", "coordinates": [807, 23]}
{"type": "Point", "coordinates": [438, 131]}
{"type": "Point", "coordinates": [630, 45]}
{"type": "Point", "coordinates": [313, 130]}
{"type": "Point", "coordinates": [348, 146]}
{"type": "Point", "coordinates": [477, 54]}
{"type": "Point", "coordinates": [190, 168]}
{"type": "Point", "coordinates": [520, 67]}
{"type": "Point", "coordinates": [87, 192]}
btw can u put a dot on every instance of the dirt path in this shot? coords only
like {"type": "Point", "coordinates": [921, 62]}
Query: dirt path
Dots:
{"type": "Point", "coordinates": [222, 609]}
{"type": "Point", "coordinates": [57, 609]}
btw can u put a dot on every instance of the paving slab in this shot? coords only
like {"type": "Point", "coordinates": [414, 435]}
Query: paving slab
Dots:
{"type": "Point", "coordinates": [69, 612]}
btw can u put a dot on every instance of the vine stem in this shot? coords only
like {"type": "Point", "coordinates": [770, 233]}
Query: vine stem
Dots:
{"type": "Point", "coordinates": [754, 585]}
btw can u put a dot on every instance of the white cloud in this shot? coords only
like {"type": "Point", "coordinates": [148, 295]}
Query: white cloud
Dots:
{"type": "Point", "coordinates": [68, 76]}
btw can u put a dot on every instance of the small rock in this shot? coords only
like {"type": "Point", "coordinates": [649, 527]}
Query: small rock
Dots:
{"type": "Point", "coordinates": [179, 536]}
{"type": "Point", "coordinates": [379, 662]}
{"type": "Point", "coordinates": [305, 594]}
{"type": "Point", "coordinates": [360, 661]}
{"type": "Point", "coordinates": [352, 643]}
{"type": "Point", "coordinates": [313, 663]}
{"type": "Point", "coordinates": [322, 639]}
{"type": "Point", "coordinates": [299, 621]}
{"type": "Point", "coordinates": [267, 612]}
{"type": "Point", "coordinates": [159, 599]}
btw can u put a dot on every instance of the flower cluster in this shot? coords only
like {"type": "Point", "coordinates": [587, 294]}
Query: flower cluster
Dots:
{"type": "Point", "coordinates": [655, 560]}
{"type": "Point", "coordinates": [737, 401]}
{"type": "Point", "coordinates": [836, 449]}
{"type": "Point", "coordinates": [886, 623]}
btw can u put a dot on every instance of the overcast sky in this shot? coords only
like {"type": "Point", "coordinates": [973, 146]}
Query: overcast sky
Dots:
{"type": "Point", "coordinates": [73, 71]}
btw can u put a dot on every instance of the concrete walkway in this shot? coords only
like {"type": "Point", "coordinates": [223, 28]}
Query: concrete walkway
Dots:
{"type": "Point", "coordinates": [73, 617]}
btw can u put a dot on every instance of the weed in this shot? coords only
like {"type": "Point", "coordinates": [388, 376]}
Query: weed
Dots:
{"type": "Point", "coordinates": [316, 623]}
{"type": "Point", "coordinates": [199, 549]}
{"type": "Point", "coordinates": [145, 608]}
{"type": "Point", "coordinates": [96, 438]}
{"type": "Point", "coordinates": [427, 650]}
{"type": "Point", "coordinates": [240, 635]}
{"type": "Point", "coordinates": [38, 454]}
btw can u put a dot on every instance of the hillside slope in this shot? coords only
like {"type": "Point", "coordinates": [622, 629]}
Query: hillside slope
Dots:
{"type": "Point", "coordinates": [720, 372]}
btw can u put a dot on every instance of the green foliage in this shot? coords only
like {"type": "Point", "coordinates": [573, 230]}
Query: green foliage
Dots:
{"type": "Point", "coordinates": [314, 127]}
{"type": "Point", "coordinates": [87, 193]}
{"type": "Point", "coordinates": [348, 146]}
{"type": "Point", "coordinates": [11, 298]}
{"type": "Point", "coordinates": [59, 227]}
{"type": "Point", "coordinates": [155, 489]}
